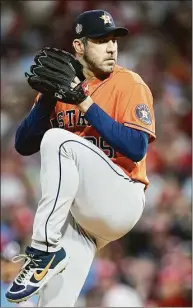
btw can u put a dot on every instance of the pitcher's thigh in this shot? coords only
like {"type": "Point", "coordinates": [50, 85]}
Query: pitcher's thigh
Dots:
{"type": "Point", "coordinates": [107, 203]}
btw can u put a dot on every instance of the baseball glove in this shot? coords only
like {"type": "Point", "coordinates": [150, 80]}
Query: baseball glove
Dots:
{"type": "Point", "coordinates": [52, 74]}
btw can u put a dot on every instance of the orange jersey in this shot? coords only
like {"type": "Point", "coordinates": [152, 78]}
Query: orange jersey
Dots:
{"type": "Point", "coordinates": [127, 99]}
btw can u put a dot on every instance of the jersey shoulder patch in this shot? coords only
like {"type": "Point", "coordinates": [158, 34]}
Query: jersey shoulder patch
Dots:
{"type": "Point", "coordinates": [143, 114]}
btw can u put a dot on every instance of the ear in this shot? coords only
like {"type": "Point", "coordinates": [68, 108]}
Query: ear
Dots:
{"type": "Point", "coordinates": [78, 46]}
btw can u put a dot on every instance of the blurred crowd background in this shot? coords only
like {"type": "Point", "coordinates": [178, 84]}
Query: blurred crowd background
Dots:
{"type": "Point", "coordinates": [150, 266]}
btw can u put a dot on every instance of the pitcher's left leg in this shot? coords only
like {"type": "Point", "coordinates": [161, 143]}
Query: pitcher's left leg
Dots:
{"type": "Point", "coordinates": [63, 290]}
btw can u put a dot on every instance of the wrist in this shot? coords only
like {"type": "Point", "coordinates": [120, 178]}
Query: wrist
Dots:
{"type": "Point", "coordinates": [85, 105]}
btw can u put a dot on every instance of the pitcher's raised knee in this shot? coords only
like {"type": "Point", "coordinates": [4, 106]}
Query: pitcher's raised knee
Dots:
{"type": "Point", "coordinates": [54, 137]}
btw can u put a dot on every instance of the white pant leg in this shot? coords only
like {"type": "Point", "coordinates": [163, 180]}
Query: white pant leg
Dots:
{"type": "Point", "coordinates": [63, 289]}
{"type": "Point", "coordinates": [105, 201]}
{"type": "Point", "coordinates": [59, 183]}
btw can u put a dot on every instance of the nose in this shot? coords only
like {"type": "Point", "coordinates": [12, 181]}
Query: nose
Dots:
{"type": "Point", "coordinates": [111, 46]}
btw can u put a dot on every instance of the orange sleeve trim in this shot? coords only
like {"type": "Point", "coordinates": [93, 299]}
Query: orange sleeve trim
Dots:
{"type": "Point", "coordinates": [141, 128]}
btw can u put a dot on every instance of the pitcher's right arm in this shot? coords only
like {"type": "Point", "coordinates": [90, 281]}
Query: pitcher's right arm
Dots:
{"type": "Point", "coordinates": [31, 130]}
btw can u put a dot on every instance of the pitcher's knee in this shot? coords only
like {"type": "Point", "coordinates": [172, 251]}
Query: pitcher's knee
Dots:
{"type": "Point", "coordinates": [54, 137]}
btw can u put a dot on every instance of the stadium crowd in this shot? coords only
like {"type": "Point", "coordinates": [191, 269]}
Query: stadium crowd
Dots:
{"type": "Point", "coordinates": [150, 266]}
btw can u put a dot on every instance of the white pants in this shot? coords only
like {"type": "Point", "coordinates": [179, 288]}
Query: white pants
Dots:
{"type": "Point", "coordinates": [78, 180]}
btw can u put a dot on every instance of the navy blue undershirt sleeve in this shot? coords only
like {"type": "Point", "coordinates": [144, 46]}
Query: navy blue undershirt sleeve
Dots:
{"type": "Point", "coordinates": [30, 132]}
{"type": "Point", "coordinates": [128, 141]}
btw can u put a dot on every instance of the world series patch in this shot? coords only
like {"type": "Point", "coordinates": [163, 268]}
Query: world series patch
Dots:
{"type": "Point", "coordinates": [143, 114]}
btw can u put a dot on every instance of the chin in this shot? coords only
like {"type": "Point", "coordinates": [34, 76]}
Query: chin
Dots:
{"type": "Point", "coordinates": [108, 69]}
{"type": "Point", "coordinates": [104, 71]}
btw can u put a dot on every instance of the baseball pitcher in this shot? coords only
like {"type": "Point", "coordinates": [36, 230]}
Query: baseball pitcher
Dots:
{"type": "Point", "coordinates": [92, 121]}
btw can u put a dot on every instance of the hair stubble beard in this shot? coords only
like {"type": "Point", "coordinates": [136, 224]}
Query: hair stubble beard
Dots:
{"type": "Point", "coordinates": [99, 73]}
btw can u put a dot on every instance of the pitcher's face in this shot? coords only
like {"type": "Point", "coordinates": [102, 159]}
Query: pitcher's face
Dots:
{"type": "Point", "coordinates": [100, 54]}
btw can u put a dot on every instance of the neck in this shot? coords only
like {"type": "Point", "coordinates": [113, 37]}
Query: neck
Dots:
{"type": "Point", "coordinates": [88, 73]}
{"type": "Point", "coordinates": [92, 75]}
